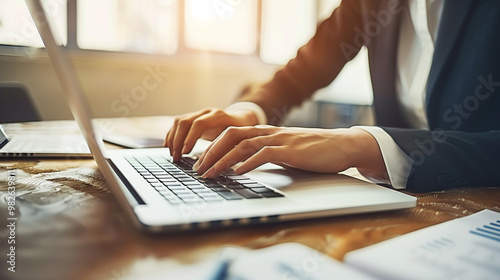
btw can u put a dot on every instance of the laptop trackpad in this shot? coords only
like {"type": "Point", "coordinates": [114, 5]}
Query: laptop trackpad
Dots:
{"type": "Point", "coordinates": [319, 189]}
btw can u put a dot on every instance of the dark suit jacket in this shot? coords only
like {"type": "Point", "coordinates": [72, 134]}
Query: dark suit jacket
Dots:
{"type": "Point", "coordinates": [462, 147]}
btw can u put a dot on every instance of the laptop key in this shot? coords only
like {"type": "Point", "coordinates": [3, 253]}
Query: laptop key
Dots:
{"type": "Point", "coordinates": [203, 191]}
{"type": "Point", "coordinates": [197, 187]}
{"type": "Point", "coordinates": [186, 179]}
{"type": "Point", "coordinates": [212, 198]}
{"type": "Point", "coordinates": [228, 195]}
{"type": "Point", "coordinates": [233, 187]}
{"type": "Point", "coordinates": [157, 185]}
{"type": "Point", "coordinates": [192, 183]}
{"type": "Point", "coordinates": [177, 188]}
{"type": "Point", "coordinates": [194, 201]}
{"type": "Point", "coordinates": [212, 185]}
{"type": "Point", "coordinates": [169, 181]}
{"type": "Point", "coordinates": [174, 201]}
{"type": "Point", "coordinates": [237, 177]}
{"type": "Point", "coordinates": [247, 193]}
{"type": "Point", "coordinates": [164, 177]}
{"type": "Point", "coordinates": [219, 189]}
{"type": "Point", "coordinates": [261, 190]}
{"type": "Point", "coordinates": [271, 194]}
{"type": "Point", "coordinates": [253, 185]}
{"type": "Point", "coordinates": [182, 192]}
{"type": "Point", "coordinates": [190, 198]}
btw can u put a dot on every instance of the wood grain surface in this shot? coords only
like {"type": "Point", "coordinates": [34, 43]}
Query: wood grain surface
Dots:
{"type": "Point", "coordinates": [70, 227]}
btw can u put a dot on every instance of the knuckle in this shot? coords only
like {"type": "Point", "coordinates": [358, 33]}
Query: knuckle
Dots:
{"type": "Point", "coordinates": [218, 113]}
{"type": "Point", "coordinates": [268, 150]}
{"type": "Point", "coordinates": [207, 111]}
{"type": "Point", "coordinates": [184, 122]}
{"type": "Point", "coordinates": [177, 120]}
{"type": "Point", "coordinates": [232, 130]}
{"type": "Point", "coordinates": [246, 143]}
{"type": "Point", "coordinates": [199, 123]}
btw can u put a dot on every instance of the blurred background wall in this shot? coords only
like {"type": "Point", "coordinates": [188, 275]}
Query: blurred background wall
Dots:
{"type": "Point", "coordinates": [169, 57]}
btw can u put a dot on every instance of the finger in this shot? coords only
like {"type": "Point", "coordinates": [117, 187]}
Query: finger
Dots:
{"type": "Point", "coordinates": [266, 154]}
{"type": "Point", "coordinates": [178, 139]}
{"type": "Point", "coordinates": [171, 134]}
{"type": "Point", "coordinates": [200, 125]}
{"type": "Point", "coordinates": [226, 141]}
{"type": "Point", "coordinates": [241, 152]}
{"type": "Point", "coordinates": [258, 130]}
{"type": "Point", "coordinates": [181, 127]}
{"type": "Point", "coordinates": [165, 142]}
{"type": "Point", "coordinates": [203, 155]}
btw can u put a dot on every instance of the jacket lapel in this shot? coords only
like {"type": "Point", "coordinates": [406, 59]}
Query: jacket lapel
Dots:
{"type": "Point", "coordinates": [452, 21]}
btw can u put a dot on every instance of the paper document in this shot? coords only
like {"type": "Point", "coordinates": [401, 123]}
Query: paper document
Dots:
{"type": "Point", "coordinates": [464, 248]}
{"type": "Point", "coordinates": [282, 262]}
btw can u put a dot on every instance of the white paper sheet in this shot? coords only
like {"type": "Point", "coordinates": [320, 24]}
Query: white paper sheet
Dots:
{"type": "Point", "coordinates": [464, 248]}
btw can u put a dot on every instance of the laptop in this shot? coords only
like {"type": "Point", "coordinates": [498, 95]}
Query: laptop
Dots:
{"type": "Point", "coordinates": [42, 143]}
{"type": "Point", "coordinates": [160, 196]}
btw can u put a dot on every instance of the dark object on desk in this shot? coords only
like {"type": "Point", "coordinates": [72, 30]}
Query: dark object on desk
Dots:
{"type": "Point", "coordinates": [133, 142]}
{"type": "Point", "coordinates": [16, 104]}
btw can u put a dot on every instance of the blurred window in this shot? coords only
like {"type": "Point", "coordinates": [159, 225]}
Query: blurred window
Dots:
{"type": "Point", "coordinates": [221, 25]}
{"type": "Point", "coordinates": [18, 29]}
{"type": "Point", "coordinates": [146, 26]}
{"type": "Point", "coordinates": [286, 26]}
{"type": "Point", "coordinates": [271, 29]}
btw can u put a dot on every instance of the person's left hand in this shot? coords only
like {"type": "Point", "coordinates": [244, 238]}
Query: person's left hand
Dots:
{"type": "Point", "coordinates": [318, 150]}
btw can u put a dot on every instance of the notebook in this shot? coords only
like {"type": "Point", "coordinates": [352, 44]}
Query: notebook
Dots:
{"type": "Point", "coordinates": [160, 196]}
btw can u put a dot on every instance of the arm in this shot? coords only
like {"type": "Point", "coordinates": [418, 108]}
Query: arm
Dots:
{"type": "Point", "coordinates": [450, 159]}
{"type": "Point", "coordinates": [317, 150]}
{"type": "Point", "coordinates": [316, 65]}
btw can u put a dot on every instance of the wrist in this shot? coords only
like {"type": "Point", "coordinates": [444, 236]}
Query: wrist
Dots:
{"type": "Point", "coordinates": [244, 117]}
{"type": "Point", "coordinates": [250, 111]}
{"type": "Point", "coordinates": [366, 154]}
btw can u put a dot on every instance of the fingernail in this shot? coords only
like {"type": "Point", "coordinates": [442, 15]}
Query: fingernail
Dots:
{"type": "Point", "coordinates": [237, 170]}
{"type": "Point", "coordinates": [201, 170]}
{"type": "Point", "coordinates": [196, 165]}
{"type": "Point", "coordinates": [207, 174]}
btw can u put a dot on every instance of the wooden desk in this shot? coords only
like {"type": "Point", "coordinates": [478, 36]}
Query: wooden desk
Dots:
{"type": "Point", "coordinates": [70, 227]}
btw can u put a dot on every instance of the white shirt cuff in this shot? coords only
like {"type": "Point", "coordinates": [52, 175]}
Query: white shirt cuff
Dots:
{"type": "Point", "coordinates": [396, 161]}
{"type": "Point", "coordinates": [249, 106]}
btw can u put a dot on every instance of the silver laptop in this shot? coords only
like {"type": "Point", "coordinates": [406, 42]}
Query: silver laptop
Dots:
{"type": "Point", "coordinates": [160, 195]}
{"type": "Point", "coordinates": [42, 143]}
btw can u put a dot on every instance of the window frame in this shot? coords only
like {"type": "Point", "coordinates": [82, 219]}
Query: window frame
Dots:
{"type": "Point", "coordinates": [182, 51]}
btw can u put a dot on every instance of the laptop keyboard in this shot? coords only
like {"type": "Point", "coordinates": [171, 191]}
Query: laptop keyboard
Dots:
{"type": "Point", "coordinates": [179, 183]}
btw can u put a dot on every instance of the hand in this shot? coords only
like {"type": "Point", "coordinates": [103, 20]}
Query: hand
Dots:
{"type": "Point", "coordinates": [318, 150]}
{"type": "Point", "coordinates": [206, 124]}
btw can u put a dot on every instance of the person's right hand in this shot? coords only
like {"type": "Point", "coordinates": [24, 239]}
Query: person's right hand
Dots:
{"type": "Point", "coordinates": [206, 124]}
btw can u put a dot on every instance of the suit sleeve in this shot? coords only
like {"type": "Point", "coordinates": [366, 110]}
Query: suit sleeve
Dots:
{"type": "Point", "coordinates": [449, 159]}
{"type": "Point", "coordinates": [316, 65]}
